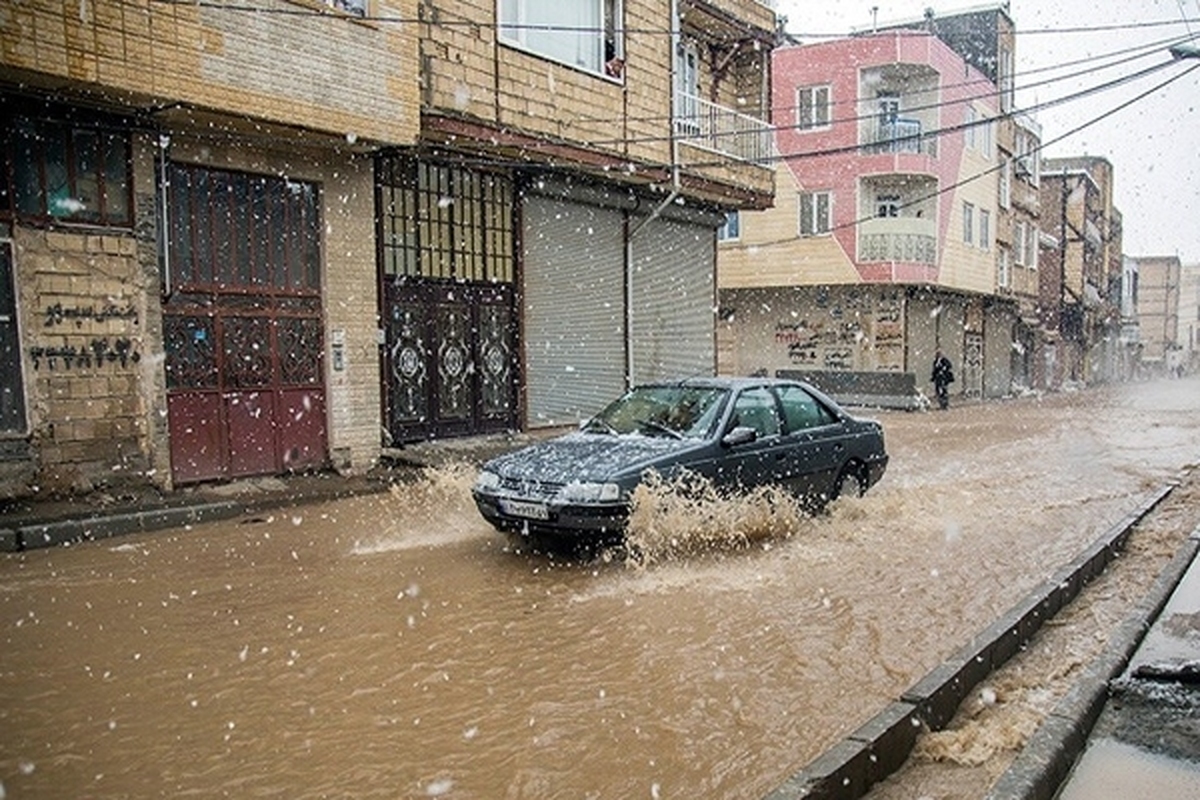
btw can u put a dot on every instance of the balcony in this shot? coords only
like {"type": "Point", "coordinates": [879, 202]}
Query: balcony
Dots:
{"type": "Point", "coordinates": [908, 239]}
{"type": "Point", "coordinates": [899, 135]}
{"type": "Point", "coordinates": [721, 130]}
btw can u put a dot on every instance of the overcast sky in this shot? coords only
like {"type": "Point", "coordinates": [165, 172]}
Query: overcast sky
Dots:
{"type": "Point", "coordinates": [1153, 144]}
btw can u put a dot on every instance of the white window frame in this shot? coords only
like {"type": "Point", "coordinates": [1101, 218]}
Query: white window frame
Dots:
{"type": "Point", "coordinates": [1006, 183]}
{"type": "Point", "coordinates": [572, 32]}
{"type": "Point", "coordinates": [816, 113]}
{"type": "Point", "coordinates": [1031, 247]}
{"type": "Point", "coordinates": [985, 228]}
{"type": "Point", "coordinates": [815, 225]}
{"type": "Point", "coordinates": [731, 231]}
{"type": "Point", "coordinates": [1019, 234]}
{"type": "Point", "coordinates": [1002, 267]}
{"type": "Point", "coordinates": [969, 119]}
{"type": "Point", "coordinates": [968, 212]}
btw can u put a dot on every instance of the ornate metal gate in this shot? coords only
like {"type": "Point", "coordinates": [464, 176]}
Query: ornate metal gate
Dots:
{"type": "Point", "coordinates": [449, 359]}
{"type": "Point", "coordinates": [242, 326]}
{"type": "Point", "coordinates": [447, 300]}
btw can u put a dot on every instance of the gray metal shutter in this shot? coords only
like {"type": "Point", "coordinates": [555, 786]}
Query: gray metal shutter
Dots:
{"type": "Point", "coordinates": [574, 309]}
{"type": "Point", "coordinates": [672, 317]}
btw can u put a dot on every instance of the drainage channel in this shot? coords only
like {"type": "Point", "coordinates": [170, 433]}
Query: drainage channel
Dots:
{"type": "Point", "coordinates": [878, 748]}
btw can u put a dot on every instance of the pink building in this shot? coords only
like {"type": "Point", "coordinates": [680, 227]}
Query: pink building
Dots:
{"type": "Point", "coordinates": [882, 244]}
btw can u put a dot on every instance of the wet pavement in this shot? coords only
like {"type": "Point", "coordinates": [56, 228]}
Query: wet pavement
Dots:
{"type": "Point", "coordinates": [703, 666]}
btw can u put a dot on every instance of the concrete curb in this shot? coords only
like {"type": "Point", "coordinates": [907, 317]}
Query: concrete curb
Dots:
{"type": "Point", "coordinates": [848, 769]}
{"type": "Point", "coordinates": [1047, 759]}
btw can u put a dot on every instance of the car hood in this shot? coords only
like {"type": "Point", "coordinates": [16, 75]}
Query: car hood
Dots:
{"type": "Point", "coordinates": [588, 457]}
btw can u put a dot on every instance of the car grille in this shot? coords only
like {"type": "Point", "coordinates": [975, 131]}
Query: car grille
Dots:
{"type": "Point", "coordinates": [539, 490]}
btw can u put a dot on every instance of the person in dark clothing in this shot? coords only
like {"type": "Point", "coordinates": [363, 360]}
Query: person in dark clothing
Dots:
{"type": "Point", "coordinates": [943, 376]}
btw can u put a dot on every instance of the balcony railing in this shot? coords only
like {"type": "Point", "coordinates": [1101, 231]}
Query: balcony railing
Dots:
{"type": "Point", "coordinates": [906, 239]}
{"type": "Point", "coordinates": [901, 136]}
{"type": "Point", "coordinates": [722, 130]}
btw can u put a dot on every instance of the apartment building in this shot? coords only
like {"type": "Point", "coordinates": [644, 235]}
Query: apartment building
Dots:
{"type": "Point", "coordinates": [1189, 317]}
{"type": "Point", "coordinates": [1019, 244]}
{"type": "Point", "coordinates": [245, 239]}
{"type": "Point", "coordinates": [1080, 283]}
{"type": "Point", "coordinates": [1158, 307]}
{"type": "Point", "coordinates": [882, 245]}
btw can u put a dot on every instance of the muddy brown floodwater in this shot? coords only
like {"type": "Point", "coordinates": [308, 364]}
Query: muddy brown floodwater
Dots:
{"type": "Point", "coordinates": [394, 646]}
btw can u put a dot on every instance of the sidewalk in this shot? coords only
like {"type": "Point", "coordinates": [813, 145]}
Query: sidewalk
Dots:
{"type": "Point", "coordinates": [33, 522]}
{"type": "Point", "coordinates": [1131, 725]}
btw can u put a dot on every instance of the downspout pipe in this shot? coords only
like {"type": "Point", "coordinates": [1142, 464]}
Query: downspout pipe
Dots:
{"type": "Point", "coordinates": [658, 209]}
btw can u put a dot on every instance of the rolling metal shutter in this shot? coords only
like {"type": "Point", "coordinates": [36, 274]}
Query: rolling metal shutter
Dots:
{"type": "Point", "coordinates": [574, 309]}
{"type": "Point", "coordinates": [672, 318]}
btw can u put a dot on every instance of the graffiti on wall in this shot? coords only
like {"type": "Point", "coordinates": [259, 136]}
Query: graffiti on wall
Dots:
{"type": "Point", "coordinates": [56, 314]}
{"type": "Point", "coordinates": [854, 330]}
{"type": "Point", "coordinates": [97, 351]}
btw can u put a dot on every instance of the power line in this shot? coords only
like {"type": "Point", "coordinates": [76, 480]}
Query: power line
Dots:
{"type": "Point", "coordinates": [331, 13]}
{"type": "Point", "coordinates": [850, 148]}
{"type": "Point", "coordinates": [990, 90]}
{"type": "Point", "coordinates": [943, 190]}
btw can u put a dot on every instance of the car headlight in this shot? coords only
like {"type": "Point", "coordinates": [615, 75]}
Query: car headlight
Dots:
{"type": "Point", "coordinates": [487, 481]}
{"type": "Point", "coordinates": [590, 493]}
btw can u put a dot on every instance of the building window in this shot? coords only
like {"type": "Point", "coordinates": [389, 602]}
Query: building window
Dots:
{"type": "Point", "coordinates": [1006, 183]}
{"type": "Point", "coordinates": [732, 229]}
{"type": "Point", "coordinates": [357, 8]}
{"type": "Point", "coordinates": [1031, 247]}
{"type": "Point", "coordinates": [68, 172]}
{"type": "Point", "coordinates": [816, 210]}
{"type": "Point", "coordinates": [1007, 84]}
{"type": "Point", "coordinates": [812, 107]}
{"type": "Point", "coordinates": [968, 223]}
{"type": "Point", "coordinates": [887, 205]}
{"type": "Point", "coordinates": [969, 119]}
{"type": "Point", "coordinates": [985, 229]}
{"type": "Point", "coordinates": [1002, 268]}
{"type": "Point", "coordinates": [580, 33]}
{"type": "Point", "coordinates": [1019, 244]}
{"type": "Point", "coordinates": [687, 89]}
{"type": "Point", "coordinates": [444, 222]}
{"type": "Point", "coordinates": [241, 233]}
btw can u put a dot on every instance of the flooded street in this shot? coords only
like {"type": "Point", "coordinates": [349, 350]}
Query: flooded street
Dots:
{"type": "Point", "coordinates": [394, 646]}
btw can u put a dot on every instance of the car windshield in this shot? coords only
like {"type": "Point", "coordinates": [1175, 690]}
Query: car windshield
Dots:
{"type": "Point", "coordinates": [679, 411]}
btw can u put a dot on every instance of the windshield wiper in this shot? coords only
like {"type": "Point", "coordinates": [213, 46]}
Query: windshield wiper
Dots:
{"type": "Point", "coordinates": [660, 428]}
{"type": "Point", "coordinates": [597, 424]}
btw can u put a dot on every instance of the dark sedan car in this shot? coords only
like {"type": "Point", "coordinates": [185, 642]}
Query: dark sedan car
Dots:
{"type": "Point", "coordinates": [739, 433]}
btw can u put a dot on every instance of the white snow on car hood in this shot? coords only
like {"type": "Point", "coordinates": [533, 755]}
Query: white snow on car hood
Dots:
{"type": "Point", "coordinates": [582, 457]}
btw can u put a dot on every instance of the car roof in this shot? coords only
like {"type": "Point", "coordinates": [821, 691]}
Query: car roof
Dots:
{"type": "Point", "coordinates": [727, 382]}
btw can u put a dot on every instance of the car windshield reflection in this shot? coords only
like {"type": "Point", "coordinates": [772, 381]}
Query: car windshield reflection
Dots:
{"type": "Point", "coordinates": [678, 411]}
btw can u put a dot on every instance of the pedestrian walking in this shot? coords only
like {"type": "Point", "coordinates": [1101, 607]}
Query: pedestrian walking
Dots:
{"type": "Point", "coordinates": [943, 376]}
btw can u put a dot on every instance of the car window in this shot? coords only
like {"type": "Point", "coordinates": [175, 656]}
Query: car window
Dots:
{"type": "Point", "coordinates": [689, 411]}
{"type": "Point", "coordinates": [802, 410]}
{"type": "Point", "coordinates": [755, 408]}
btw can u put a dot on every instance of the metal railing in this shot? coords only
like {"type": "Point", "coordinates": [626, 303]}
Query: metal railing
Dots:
{"type": "Point", "coordinates": [901, 136]}
{"type": "Point", "coordinates": [722, 130]}
{"type": "Point", "coordinates": [897, 239]}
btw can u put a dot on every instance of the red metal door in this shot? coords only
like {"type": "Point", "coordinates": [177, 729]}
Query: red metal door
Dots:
{"type": "Point", "coordinates": [242, 326]}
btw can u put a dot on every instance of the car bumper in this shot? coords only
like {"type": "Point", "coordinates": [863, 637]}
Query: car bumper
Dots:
{"type": "Point", "coordinates": [521, 516]}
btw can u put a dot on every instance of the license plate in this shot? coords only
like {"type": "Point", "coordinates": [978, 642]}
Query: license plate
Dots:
{"type": "Point", "coordinates": [519, 508]}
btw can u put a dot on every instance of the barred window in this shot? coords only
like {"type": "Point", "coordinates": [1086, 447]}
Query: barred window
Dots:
{"type": "Point", "coordinates": [67, 171]}
{"type": "Point", "coordinates": [439, 221]}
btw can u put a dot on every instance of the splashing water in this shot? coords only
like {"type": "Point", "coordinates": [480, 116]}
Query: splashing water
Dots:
{"type": "Point", "coordinates": [687, 515]}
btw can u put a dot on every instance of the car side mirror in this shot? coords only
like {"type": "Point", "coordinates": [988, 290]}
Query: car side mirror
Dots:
{"type": "Point", "coordinates": [739, 435]}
